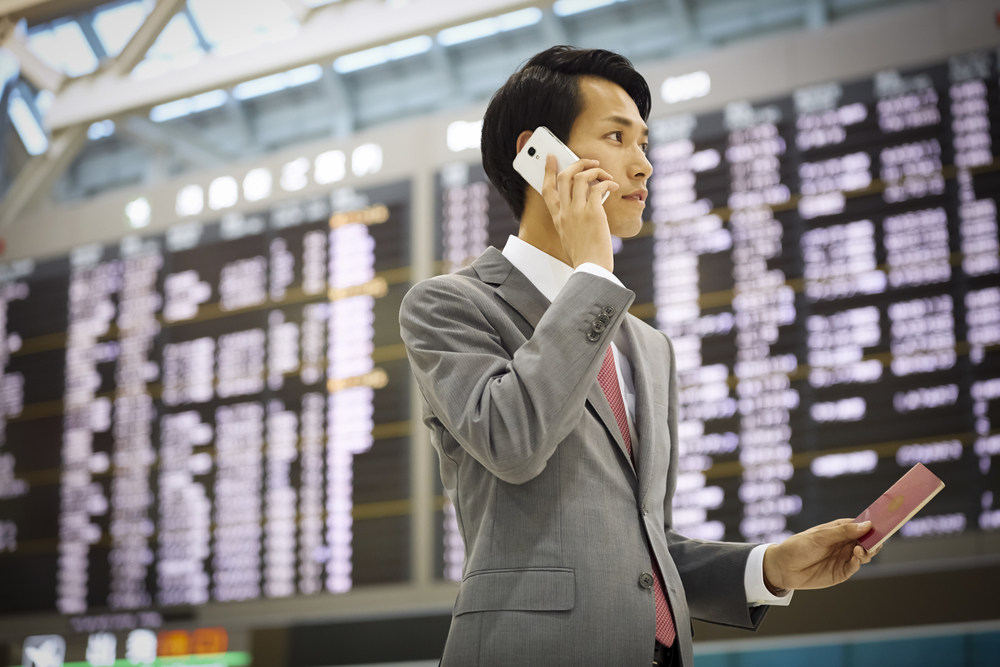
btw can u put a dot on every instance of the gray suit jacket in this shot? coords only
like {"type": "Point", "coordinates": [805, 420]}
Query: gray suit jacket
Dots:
{"type": "Point", "coordinates": [555, 520]}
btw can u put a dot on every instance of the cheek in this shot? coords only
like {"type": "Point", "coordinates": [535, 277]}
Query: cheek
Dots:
{"type": "Point", "coordinates": [623, 220]}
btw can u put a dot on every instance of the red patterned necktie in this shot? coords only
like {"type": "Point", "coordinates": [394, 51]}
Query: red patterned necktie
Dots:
{"type": "Point", "coordinates": [608, 377]}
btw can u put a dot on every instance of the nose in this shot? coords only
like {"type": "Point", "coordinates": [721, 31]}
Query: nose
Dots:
{"type": "Point", "coordinates": [642, 167]}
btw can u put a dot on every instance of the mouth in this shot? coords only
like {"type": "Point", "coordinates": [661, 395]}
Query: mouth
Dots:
{"type": "Point", "coordinates": [638, 196]}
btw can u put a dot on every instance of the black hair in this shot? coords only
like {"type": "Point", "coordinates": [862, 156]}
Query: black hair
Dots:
{"type": "Point", "coordinates": [546, 91]}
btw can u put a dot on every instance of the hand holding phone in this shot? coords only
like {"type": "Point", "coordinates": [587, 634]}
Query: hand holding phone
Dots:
{"type": "Point", "coordinates": [574, 192]}
{"type": "Point", "coordinates": [530, 161]}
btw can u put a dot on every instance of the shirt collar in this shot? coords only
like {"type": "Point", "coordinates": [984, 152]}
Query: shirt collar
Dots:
{"type": "Point", "coordinates": [548, 274]}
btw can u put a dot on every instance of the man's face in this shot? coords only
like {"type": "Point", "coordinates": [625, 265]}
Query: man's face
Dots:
{"type": "Point", "coordinates": [610, 129]}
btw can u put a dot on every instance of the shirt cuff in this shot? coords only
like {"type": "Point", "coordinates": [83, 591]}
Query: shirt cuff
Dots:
{"type": "Point", "coordinates": [590, 267]}
{"type": "Point", "coordinates": [753, 581]}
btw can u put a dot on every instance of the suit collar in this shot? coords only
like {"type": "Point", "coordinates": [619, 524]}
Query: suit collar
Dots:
{"type": "Point", "coordinates": [512, 285]}
{"type": "Point", "coordinates": [544, 271]}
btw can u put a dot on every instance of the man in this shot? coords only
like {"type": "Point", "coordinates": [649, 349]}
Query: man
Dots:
{"type": "Point", "coordinates": [554, 412]}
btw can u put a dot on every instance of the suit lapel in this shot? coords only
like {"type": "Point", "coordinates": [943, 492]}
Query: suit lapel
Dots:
{"type": "Point", "coordinates": [514, 287]}
{"type": "Point", "coordinates": [649, 379]}
{"type": "Point", "coordinates": [599, 402]}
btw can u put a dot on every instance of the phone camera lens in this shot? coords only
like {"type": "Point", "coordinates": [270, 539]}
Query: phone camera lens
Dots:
{"type": "Point", "coordinates": [531, 150]}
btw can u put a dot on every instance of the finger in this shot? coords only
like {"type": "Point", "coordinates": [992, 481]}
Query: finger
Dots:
{"type": "Point", "coordinates": [581, 189]}
{"type": "Point", "coordinates": [595, 174]}
{"type": "Point", "coordinates": [596, 196]}
{"type": "Point", "coordinates": [549, 180]}
{"type": "Point", "coordinates": [549, 191]}
{"type": "Point", "coordinates": [857, 555]}
{"type": "Point", "coordinates": [833, 524]}
{"type": "Point", "coordinates": [566, 175]}
{"type": "Point", "coordinates": [863, 555]}
{"type": "Point", "coordinates": [567, 179]}
{"type": "Point", "coordinates": [853, 531]}
{"type": "Point", "coordinates": [839, 531]}
{"type": "Point", "coordinates": [583, 183]}
{"type": "Point", "coordinates": [581, 165]}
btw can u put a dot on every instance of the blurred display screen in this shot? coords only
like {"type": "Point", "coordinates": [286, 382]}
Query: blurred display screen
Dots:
{"type": "Point", "coordinates": [217, 413]}
{"type": "Point", "coordinates": [827, 266]}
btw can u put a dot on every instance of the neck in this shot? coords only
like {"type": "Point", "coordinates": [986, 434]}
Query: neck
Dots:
{"type": "Point", "coordinates": [538, 229]}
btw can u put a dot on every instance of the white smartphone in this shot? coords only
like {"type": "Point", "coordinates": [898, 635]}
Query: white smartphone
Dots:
{"type": "Point", "coordinates": [530, 161]}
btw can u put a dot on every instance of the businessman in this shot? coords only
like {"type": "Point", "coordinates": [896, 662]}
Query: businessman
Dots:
{"type": "Point", "coordinates": [554, 412]}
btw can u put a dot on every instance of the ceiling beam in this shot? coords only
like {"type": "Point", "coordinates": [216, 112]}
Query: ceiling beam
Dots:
{"type": "Point", "coordinates": [41, 172]}
{"type": "Point", "coordinates": [86, 23]}
{"type": "Point", "coordinates": [817, 13]}
{"type": "Point", "coordinates": [300, 10]}
{"type": "Point", "coordinates": [331, 31]}
{"type": "Point", "coordinates": [145, 36]}
{"type": "Point", "coordinates": [681, 10]}
{"type": "Point", "coordinates": [40, 11]}
{"type": "Point", "coordinates": [188, 148]}
{"type": "Point", "coordinates": [345, 120]}
{"type": "Point", "coordinates": [33, 69]}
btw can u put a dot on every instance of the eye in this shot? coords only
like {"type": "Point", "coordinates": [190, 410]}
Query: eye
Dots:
{"type": "Point", "coordinates": [617, 134]}
{"type": "Point", "coordinates": [645, 148]}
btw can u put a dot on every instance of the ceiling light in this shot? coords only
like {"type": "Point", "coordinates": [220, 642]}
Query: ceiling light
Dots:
{"type": "Point", "coordinates": [138, 212]}
{"type": "Point", "coordinates": [686, 87]}
{"type": "Point", "coordinates": [28, 128]}
{"type": "Point", "coordinates": [491, 26]}
{"type": "Point", "coordinates": [379, 55]}
{"type": "Point", "coordinates": [570, 7]}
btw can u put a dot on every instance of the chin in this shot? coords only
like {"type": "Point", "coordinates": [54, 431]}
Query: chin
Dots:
{"type": "Point", "coordinates": [626, 228]}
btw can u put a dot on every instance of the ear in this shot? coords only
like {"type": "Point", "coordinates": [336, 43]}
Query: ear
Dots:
{"type": "Point", "coordinates": [522, 139]}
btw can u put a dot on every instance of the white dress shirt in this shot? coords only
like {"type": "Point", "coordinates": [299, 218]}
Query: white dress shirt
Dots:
{"type": "Point", "coordinates": [549, 276]}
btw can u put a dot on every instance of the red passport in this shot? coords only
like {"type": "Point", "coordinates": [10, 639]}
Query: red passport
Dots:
{"type": "Point", "coordinates": [898, 505]}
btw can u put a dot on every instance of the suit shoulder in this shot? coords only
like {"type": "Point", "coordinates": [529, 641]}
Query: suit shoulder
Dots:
{"type": "Point", "coordinates": [464, 285]}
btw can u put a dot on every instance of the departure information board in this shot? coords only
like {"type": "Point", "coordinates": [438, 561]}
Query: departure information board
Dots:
{"type": "Point", "coordinates": [217, 413]}
{"type": "Point", "coordinates": [827, 266]}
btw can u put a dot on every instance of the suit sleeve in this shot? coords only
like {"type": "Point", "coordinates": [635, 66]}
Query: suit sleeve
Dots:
{"type": "Point", "coordinates": [509, 411]}
{"type": "Point", "coordinates": [713, 573]}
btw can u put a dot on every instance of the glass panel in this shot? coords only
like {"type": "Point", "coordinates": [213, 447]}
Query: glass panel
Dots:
{"type": "Point", "coordinates": [232, 26]}
{"type": "Point", "coordinates": [64, 48]}
{"type": "Point", "coordinates": [32, 135]}
{"type": "Point", "coordinates": [176, 47]}
{"type": "Point", "coordinates": [116, 25]}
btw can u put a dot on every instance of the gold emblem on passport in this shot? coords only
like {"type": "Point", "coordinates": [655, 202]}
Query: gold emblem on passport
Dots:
{"type": "Point", "coordinates": [896, 503]}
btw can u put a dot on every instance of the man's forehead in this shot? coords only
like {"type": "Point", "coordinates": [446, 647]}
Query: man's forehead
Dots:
{"type": "Point", "coordinates": [606, 100]}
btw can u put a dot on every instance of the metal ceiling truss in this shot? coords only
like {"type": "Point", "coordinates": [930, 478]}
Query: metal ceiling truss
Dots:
{"type": "Point", "coordinates": [136, 48]}
{"type": "Point", "coordinates": [69, 139]}
{"type": "Point", "coordinates": [326, 33]}
{"type": "Point", "coordinates": [330, 31]}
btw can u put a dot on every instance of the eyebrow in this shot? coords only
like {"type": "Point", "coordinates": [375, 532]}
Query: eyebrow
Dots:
{"type": "Point", "coordinates": [621, 120]}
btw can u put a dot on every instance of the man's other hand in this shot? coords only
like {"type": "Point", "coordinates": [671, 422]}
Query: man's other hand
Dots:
{"type": "Point", "coordinates": [822, 556]}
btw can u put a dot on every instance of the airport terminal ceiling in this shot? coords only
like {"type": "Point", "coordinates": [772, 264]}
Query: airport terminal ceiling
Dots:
{"type": "Point", "coordinates": [211, 106]}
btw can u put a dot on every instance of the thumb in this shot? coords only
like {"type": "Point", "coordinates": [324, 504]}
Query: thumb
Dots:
{"type": "Point", "coordinates": [853, 531]}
